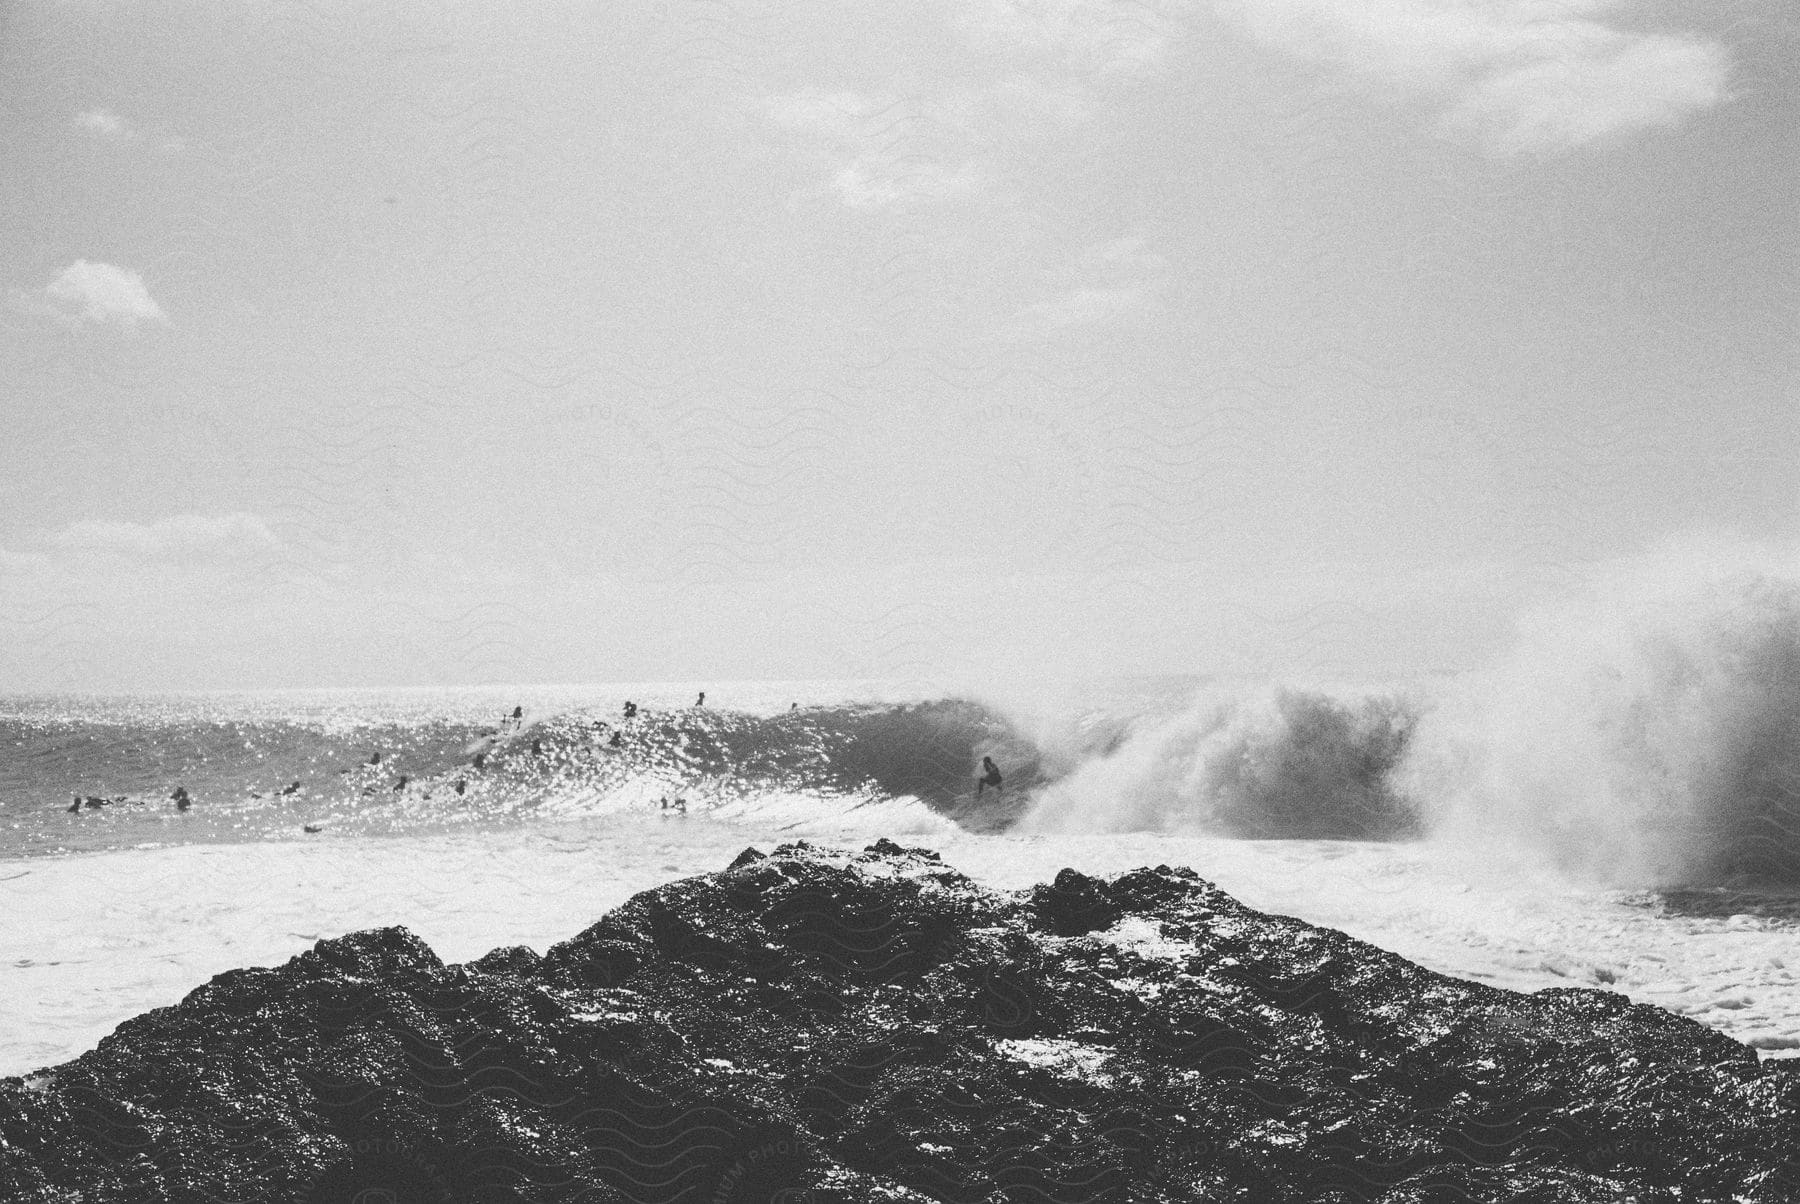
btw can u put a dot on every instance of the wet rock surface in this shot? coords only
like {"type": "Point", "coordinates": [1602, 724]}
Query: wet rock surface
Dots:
{"type": "Point", "coordinates": [818, 1025]}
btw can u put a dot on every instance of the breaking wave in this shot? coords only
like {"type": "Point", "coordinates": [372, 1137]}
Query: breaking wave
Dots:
{"type": "Point", "coordinates": [1644, 732]}
{"type": "Point", "coordinates": [1281, 763]}
{"type": "Point", "coordinates": [899, 767]}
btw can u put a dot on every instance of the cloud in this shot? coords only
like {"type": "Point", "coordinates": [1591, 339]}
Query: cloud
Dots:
{"type": "Point", "coordinates": [1121, 255]}
{"type": "Point", "coordinates": [878, 182]}
{"type": "Point", "coordinates": [1105, 282]}
{"type": "Point", "coordinates": [1091, 37]}
{"type": "Point", "coordinates": [1042, 66]}
{"type": "Point", "coordinates": [181, 536]}
{"type": "Point", "coordinates": [1076, 307]}
{"type": "Point", "coordinates": [108, 125]}
{"type": "Point", "coordinates": [882, 152]}
{"type": "Point", "coordinates": [105, 124]}
{"type": "Point", "coordinates": [88, 293]}
{"type": "Point", "coordinates": [1633, 84]}
{"type": "Point", "coordinates": [1523, 74]}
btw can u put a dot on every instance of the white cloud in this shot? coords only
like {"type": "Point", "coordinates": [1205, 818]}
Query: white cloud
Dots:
{"type": "Point", "coordinates": [1121, 255]}
{"type": "Point", "coordinates": [1104, 283]}
{"type": "Point", "coordinates": [1055, 58]}
{"type": "Point", "coordinates": [96, 294]}
{"type": "Point", "coordinates": [1633, 84]}
{"type": "Point", "coordinates": [1092, 37]}
{"type": "Point", "coordinates": [179, 536]}
{"type": "Point", "coordinates": [881, 152]}
{"type": "Point", "coordinates": [1523, 74]}
{"type": "Point", "coordinates": [104, 123]}
{"type": "Point", "coordinates": [1074, 308]}
{"type": "Point", "coordinates": [876, 181]}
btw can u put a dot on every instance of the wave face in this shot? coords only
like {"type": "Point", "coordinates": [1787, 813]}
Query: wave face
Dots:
{"type": "Point", "coordinates": [911, 765]}
{"type": "Point", "coordinates": [1644, 733]}
{"type": "Point", "coordinates": [1278, 764]}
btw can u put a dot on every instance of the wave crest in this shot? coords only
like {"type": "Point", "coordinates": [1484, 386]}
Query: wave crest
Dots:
{"type": "Point", "coordinates": [1647, 735]}
{"type": "Point", "coordinates": [1285, 763]}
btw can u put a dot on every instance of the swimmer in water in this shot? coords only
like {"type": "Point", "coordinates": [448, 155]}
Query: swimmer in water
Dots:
{"type": "Point", "coordinates": [630, 709]}
{"type": "Point", "coordinates": [700, 701]}
{"type": "Point", "coordinates": [180, 798]}
{"type": "Point", "coordinates": [990, 776]}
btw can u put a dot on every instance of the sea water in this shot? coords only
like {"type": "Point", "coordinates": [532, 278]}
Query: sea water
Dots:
{"type": "Point", "coordinates": [1379, 808]}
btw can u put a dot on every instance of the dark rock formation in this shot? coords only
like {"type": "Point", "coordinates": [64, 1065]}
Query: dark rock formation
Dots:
{"type": "Point", "coordinates": [821, 1026]}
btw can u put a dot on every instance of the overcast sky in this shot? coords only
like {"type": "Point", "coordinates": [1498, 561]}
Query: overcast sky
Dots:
{"type": "Point", "coordinates": [359, 343]}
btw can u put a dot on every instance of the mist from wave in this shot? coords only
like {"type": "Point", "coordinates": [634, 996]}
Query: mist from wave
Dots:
{"type": "Point", "coordinates": [1270, 762]}
{"type": "Point", "coordinates": [1644, 731]}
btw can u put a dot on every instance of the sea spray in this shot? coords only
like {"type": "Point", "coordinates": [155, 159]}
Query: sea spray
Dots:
{"type": "Point", "coordinates": [1645, 731]}
{"type": "Point", "coordinates": [1279, 762]}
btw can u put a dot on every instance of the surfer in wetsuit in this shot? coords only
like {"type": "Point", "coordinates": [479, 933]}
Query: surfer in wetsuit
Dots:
{"type": "Point", "coordinates": [630, 709]}
{"type": "Point", "coordinates": [700, 701]}
{"type": "Point", "coordinates": [990, 776]}
{"type": "Point", "coordinates": [180, 798]}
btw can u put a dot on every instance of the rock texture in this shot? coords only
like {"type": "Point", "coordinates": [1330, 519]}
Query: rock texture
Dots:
{"type": "Point", "coordinates": [825, 1026]}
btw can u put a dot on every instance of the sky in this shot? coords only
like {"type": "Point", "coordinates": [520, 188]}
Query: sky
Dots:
{"type": "Point", "coordinates": [433, 343]}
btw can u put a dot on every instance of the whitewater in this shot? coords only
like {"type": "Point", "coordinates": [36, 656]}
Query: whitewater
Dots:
{"type": "Point", "coordinates": [1610, 805]}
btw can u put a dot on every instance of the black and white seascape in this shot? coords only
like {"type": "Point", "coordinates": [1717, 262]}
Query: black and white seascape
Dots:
{"type": "Point", "coordinates": [972, 600]}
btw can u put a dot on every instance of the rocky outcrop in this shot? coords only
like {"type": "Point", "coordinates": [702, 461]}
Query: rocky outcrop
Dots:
{"type": "Point", "coordinates": [825, 1026]}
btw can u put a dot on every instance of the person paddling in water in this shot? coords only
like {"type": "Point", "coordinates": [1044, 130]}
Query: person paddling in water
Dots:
{"type": "Point", "coordinates": [990, 776]}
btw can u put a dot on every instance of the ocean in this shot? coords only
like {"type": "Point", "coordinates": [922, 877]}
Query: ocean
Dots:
{"type": "Point", "coordinates": [1620, 827]}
